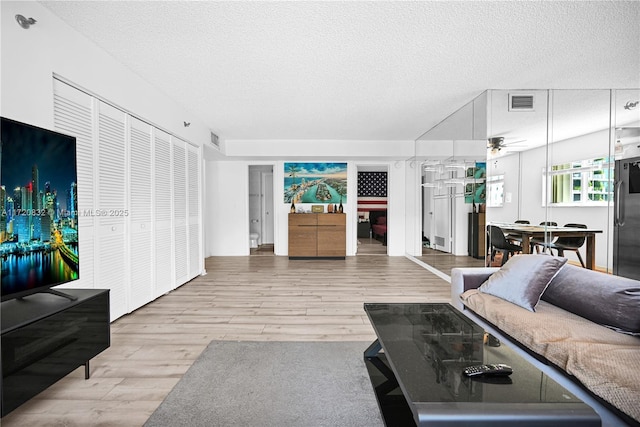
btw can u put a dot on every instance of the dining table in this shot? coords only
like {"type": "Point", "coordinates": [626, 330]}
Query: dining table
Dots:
{"type": "Point", "coordinates": [547, 232]}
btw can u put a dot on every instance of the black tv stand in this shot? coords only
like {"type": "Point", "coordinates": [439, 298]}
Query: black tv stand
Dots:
{"type": "Point", "coordinates": [45, 337]}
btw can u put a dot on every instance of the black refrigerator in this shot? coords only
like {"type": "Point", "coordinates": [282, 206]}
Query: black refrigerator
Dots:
{"type": "Point", "coordinates": [626, 235]}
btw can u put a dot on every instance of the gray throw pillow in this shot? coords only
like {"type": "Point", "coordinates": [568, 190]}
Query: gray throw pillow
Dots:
{"type": "Point", "coordinates": [609, 300]}
{"type": "Point", "coordinates": [523, 279]}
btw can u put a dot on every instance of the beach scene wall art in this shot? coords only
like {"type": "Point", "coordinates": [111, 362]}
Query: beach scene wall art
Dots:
{"type": "Point", "coordinates": [315, 182]}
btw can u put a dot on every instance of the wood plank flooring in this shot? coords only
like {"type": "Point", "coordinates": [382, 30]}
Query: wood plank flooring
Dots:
{"type": "Point", "coordinates": [370, 246]}
{"type": "Point", "coordinates": [241, 298]}
{"type": "Point", "coordinates": [445, 262]}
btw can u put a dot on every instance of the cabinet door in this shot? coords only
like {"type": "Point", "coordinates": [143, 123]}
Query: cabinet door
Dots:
{"type": "Point", "coordinates": [482, 235]}
{"type": "Point", "coordinates": [303, 235]}
{"type": "Point", "coordinates": [332, 235]}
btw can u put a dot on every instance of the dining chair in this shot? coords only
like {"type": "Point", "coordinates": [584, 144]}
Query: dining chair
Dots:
{"type": "Point", "coordinates": [498, 243]}
{"type": "Point", "coordinates": [569, 243]}
{"type": "Point", "coordinates": [517, 238]}
{"type": "Point", "coordinates": [537, 243]}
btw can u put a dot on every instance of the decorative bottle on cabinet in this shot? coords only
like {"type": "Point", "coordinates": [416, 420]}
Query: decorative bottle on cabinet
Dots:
{"type": "Point", "coordinates": [340, 208]}
{"type": "Point", "coordinates": [293, 207]}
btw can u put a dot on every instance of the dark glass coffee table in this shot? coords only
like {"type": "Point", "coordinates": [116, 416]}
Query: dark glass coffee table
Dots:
{"type": "Point", "coordinates": [416, 366]}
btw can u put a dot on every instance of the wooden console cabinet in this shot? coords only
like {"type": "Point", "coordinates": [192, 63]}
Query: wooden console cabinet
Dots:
{"type": "Point", "coordinates": [45, 337]}
{"type": "Point", "coordinates": [477, 245]}
{"type": "Point", "coordinates": [317, 235]}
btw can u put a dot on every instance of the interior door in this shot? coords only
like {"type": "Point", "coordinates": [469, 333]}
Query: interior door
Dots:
{"type": "Point", "coordinates": [427, 213]}
{"type": "Point", "coordinates": [442, 222]}
{"type": "Point", "coordinates": [267, 208]}
{"type": "Point", "coordinates": [255, 201]}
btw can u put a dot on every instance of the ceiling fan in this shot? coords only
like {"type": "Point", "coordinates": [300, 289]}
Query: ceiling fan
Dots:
{"type": "Point", "coordinates": [497, 143]}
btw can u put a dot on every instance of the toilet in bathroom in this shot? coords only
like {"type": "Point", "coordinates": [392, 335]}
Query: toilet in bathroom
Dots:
{"type": "Point", "coordinates": [253, 240]}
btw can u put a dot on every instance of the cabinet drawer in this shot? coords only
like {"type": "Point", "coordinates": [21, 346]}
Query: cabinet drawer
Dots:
{"type": "Point", "coordinates": [303, 220]}
{"type": "Point", "coordinates": [331, 220]}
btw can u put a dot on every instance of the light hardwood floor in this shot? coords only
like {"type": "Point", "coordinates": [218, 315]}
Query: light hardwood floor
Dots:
{"type": "Point", "coordinates": [445, 262]}
{"type": "Point", "coordinates": [241, 298]}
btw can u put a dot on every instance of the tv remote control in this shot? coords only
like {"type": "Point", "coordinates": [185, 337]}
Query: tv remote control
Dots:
{"type": "Point", "coordinates": [499, 369]}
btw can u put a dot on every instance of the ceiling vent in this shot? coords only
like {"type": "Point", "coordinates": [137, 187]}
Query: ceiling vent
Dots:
{"type": "Point", "coordinates": [215, 141]}
{"type": "Point", "coordinates": [521, 102]}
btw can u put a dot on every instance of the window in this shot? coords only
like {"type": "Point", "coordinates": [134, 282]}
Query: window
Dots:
{"type": "Point", "coordinates": [579, 183]}
{"type": "Point", "coordinates": [495, 191]}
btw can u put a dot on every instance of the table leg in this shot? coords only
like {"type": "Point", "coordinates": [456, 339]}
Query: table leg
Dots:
{"type": "Point", "coordinates": [373, 349]}
{"type": "Point", "coordinates": [526, 244]}
{"type": "Point", "coordinates": [591, 251]}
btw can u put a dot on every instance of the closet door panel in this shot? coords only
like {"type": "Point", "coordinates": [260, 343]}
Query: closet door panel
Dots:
{"type": "Point", "coordinates": [111, 237]}
{"type": "Point", "coordinates": [181, 254]}
{"type": "Point", "coordinates": [194, 203]}
{"type": "Point", "coordinates": [162, 214]}
{"type": "Point", "coordinates": [141, 289]}
{"type": "Point", "coordinates": [73, 115]}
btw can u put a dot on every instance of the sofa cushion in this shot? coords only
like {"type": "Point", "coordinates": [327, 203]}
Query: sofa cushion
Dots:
{"type": "Point", "coordinates": [523, 279]}
{"type": "Point", "coordinates": [612, 301]}
{"type": "Point", "coordinates": [606, 362]}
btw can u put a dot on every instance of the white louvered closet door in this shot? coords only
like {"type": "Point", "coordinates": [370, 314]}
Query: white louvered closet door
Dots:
{"type": "Point", "coordinates": [162, 213]}
{"type": "Point", "coordinates": [73, 115]}
{"type": "Point", "coordinates": [141, 289]}
{"type": "Point", "coordinates": [181, 255]}
{"type": "Point", "coordinates": [138, 201]}
{"type": "Point", "coordinates": [193, 194]}
{"type": "Point", "coordinates": [111, 207]}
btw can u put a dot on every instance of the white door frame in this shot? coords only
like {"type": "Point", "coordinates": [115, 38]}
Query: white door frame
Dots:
{"type": "Point", "coordinates": [266, 208]}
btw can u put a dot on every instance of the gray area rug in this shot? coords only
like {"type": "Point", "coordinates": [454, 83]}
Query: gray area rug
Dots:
{"type": "Point", "coordinates": [273, 384]}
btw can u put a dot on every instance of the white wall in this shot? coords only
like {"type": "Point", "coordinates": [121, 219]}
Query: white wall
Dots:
{"type": "Point", "coordinates": [227, 209]}
{"type": "Point", "coordinates": [31, 57]}
{"type": "Point", "coordinates": [328, 150]}
{"type": "Point", "coordinates": [226, 212]}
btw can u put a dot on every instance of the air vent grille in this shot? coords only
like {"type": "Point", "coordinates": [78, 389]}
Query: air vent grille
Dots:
{"type": "Point", "coordinates": [214, 140]}
{"type": "Point", "coordinates": [521, 102]}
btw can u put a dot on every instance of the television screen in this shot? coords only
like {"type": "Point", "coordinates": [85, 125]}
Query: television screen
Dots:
{"type": "Point", "coordinates": [39, 219]}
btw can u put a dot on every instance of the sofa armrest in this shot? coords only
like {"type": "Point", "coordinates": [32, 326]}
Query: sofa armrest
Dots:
{"type": "Point", "coordinates": [463, 279]}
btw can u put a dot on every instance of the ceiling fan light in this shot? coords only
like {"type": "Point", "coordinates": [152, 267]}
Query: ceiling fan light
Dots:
{"type": "Point", "coordinates": [495, 142]}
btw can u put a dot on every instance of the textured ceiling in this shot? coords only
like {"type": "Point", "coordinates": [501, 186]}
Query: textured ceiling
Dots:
{"type": "Point", "coordinates": [357, 70]}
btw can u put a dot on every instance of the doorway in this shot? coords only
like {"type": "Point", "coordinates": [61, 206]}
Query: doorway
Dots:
{"type": "Point", "coordinates": [372, 210]}
{"type": "Point", "coordinates": [261, 219]}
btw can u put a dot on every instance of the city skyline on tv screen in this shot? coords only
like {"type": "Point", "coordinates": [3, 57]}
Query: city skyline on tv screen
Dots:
{"type": "Point", "coordinates": [39, 218]}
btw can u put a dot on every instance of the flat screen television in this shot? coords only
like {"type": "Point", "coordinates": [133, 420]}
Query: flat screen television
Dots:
{"type": "Point", "coordinates": [39, 218]}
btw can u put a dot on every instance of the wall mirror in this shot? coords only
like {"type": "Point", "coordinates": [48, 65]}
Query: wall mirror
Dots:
{"type": "Point", "coordinates": [452, 161]}
{"type": "Point", "coordinates": [550, 158]}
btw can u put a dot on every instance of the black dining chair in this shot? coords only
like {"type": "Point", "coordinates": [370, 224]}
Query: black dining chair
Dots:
{"type": "Point", "coordinates": [569, 243]}
{"type": "Point", "coordinates": [517, 238]}
{"type": "Point", "coordinates": [538, 243]}
{"type": "Point", "coordinates": [498, 243]}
